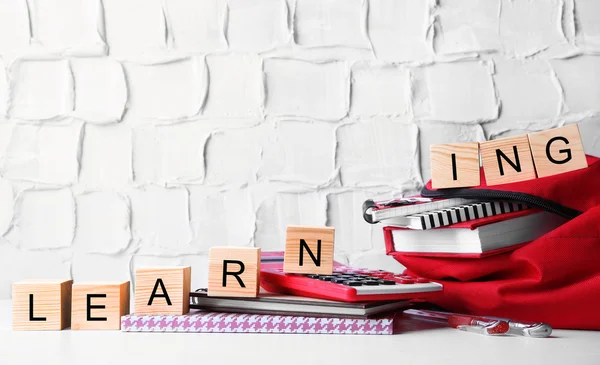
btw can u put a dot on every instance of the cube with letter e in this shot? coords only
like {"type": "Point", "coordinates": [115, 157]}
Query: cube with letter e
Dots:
{"type": "Point", "coordinates": [233, 271]}
{"type": "Point", "coordinates": [309, 250]}
{"type": "Point", "coordinates": [99, 306]}
{"type": "Point", "coordinates": [162, 290]}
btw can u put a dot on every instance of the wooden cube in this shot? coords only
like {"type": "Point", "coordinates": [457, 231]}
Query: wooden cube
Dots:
{"type": "Point", "coordinates": [162, 290]}
{"type": "Point", "coordinates": [41, 305]}
{"type": "Point", "coordinates": [233, 271]}
{"type": "Point", "coordinates": [557, 150]}
{"type": "Point", "coordinates": [507, 160]}
{"type": "Point", "coordinates": [454, 165]}
{"type": "Point", "coordinates": [308, 250]}
{"type": "Point", "coordinates": [99, 306]}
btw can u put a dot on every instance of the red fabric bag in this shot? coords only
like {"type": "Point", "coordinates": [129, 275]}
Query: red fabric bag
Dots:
{"type": "Point", "coordinates": [553, 279]}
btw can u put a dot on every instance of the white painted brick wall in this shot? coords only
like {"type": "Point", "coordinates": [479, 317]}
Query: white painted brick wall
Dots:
{"type": "Point", "coordinates": [141, 132]}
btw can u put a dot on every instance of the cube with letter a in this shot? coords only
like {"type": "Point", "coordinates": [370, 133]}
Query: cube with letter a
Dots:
{"type": "Point", "coordinates": [99, 306]}
{"type": "Point", "coordinates": [41, 305]}
{"type": "Point", "coordinates": [309, 250]}
{"type": "Point", "coordinates": [233, 271]}
{"type": "Point", "coordinates": [162, 290]}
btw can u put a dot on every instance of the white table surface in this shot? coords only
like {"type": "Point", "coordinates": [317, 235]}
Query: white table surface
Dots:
{"type": "Point", "coordinates": [418, 343]}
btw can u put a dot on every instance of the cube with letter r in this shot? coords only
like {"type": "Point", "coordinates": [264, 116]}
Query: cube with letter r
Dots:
{"type": "Point", "coordinates": [309, 250]}
{"type": "Point", "coordinates": [233, 271]}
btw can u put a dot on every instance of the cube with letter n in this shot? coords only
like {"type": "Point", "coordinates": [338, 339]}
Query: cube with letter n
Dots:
{"type": "Point", "coordinates": [233, 271]}
{"type": "Point", "coordinates": [309, 250]}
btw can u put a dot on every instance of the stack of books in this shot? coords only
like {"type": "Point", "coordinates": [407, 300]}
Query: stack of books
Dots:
{"type": "Point", "coordinates": [457, 227]}
{"type": "Point", "coordinates": [273, 313]}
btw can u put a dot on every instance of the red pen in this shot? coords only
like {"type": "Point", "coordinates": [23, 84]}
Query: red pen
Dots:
{"type": "Point", "coordinates": [482, 324]}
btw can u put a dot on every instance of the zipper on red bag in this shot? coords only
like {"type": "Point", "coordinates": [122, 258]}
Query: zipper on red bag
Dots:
{"type": "Point", "coordinates": [531, 200]}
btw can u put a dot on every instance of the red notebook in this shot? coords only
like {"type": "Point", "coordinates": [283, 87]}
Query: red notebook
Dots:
{"type": "Point", "coordinates": [475, 238]}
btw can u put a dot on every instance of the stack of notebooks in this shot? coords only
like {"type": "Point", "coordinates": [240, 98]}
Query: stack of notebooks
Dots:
{"type": "Point", "coordinates": [272, 313]}
{"type": "Point", "coordinates": [458, 227]}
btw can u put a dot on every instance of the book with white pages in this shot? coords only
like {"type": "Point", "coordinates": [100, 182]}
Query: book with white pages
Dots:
{"type": "Point", "coordinates": [474, 238]}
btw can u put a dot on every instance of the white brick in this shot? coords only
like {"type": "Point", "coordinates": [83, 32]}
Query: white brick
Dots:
{"type": "Point", "coordinates": [352, 233]}
{"type": "Point", "coordinates": [399, 29]}
{"type": "Point", "coordinates": [221, 218]}
{"type": "Point", "coordinates": [94, 267]}
{"type": "Point", "coordinates": [106, 156]}
{"type": "Point", "coordinates": [380, 91]}
{"type": "Point", "coordinates": [587, 13]}
{"type": "Point", "coordinates": [527, 90]}
{"type": "Point", "coordinates": [439, 133]}
{"type": "Point", "coordinates": [300, 153]}
{"type": "Point", "coordinates": [40, 89]}
{"type": "Point", "coordinates": [198, 263]}
{"type": "Point", "coordinates": [233, 156]}
{"type": "Point", "coordinates": [169, 154]}
{"type": "Point", "coordinates": [44, 219]}
{"type": "Point", "coordinates": [102, 223]}
{"type": "Point", "coordinates": [378, 152]}
{"type": "Point", "coordinates": [100, 89]}
{"type": "Point", "coordinates": [305, 89]}
{"type": "Point", "coordinates": [168, 91]}
{"type": "Point", "coordinates": [14, 26]}
{"type": "Point", "coordinates": [134, 27]}
{"type": "Point", "coordinates": [467, 26]}
{"type": "Point", "coordinates": [455, 92]}
{"type": "Point", "coordinates": [580, 80]}
{"type": "Point", "coordinates": [528, 27]}
{"type": "Point", "coordinates": [276, 212]}
{"type": "Point", "coordinates": [589, 129]}
{"type": "Point", "coordinates": [43, 153]}
{"type": "Point", "coordinates": [258, 25]}
{"type": "Point", "coordinates": [6, 208]}
{"type": "Point", "coordinates": [3, 89]}
{"type": "Point", "coordinates": [20, 264]}
{"type": "Point", "coordinates": [235, 88]}
{"type": "Point", "coordinates": [160, 218]}
{"type": "Point", "coordinates": [71, 25]}
{"type": "Point", "coordinates": [197, 26]}
{"type": "Point", "coordinates": [330, 23]}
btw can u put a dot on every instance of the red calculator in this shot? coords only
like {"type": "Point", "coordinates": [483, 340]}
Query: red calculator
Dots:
{"type": "Point", "coordinates": [346, 284]}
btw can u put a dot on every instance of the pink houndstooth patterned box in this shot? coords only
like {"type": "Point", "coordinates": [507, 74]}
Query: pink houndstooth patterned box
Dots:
{"type": "Point", "coordinates": [255, 323]}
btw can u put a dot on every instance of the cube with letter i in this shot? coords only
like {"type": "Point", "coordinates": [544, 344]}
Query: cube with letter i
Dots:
{"type": "Point", "coordinates": [309, 250]}
{"type": "Point", "coordinates": [99, 306]}
{"type": "Point", "coordinates": [454, 165]}
{"type": "Point", "coordinates": [233, 271]}
{"type": "Point", "coordinates": [41, 305]}
{"type": "Point", "coordinates": [162, 290]}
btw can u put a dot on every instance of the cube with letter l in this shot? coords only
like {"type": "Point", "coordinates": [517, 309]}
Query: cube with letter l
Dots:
{"type": "Point", "coordinates": [309, 250]}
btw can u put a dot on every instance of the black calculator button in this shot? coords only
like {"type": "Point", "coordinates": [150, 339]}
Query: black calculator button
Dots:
{"type": "Point", "coordinates": [352, 283]}
{"type": "Point", "coordinates": [388, 282]}
{"type": "Point", "coordinates": [326, 277]}
{"type": "Point", "coordinates": [370, 282]}
{"type": "Point", "coordinates": [339, 280]}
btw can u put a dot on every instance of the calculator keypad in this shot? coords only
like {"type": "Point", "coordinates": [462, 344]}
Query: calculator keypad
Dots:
{"type": "Point", "coordinates": [366, 281]}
